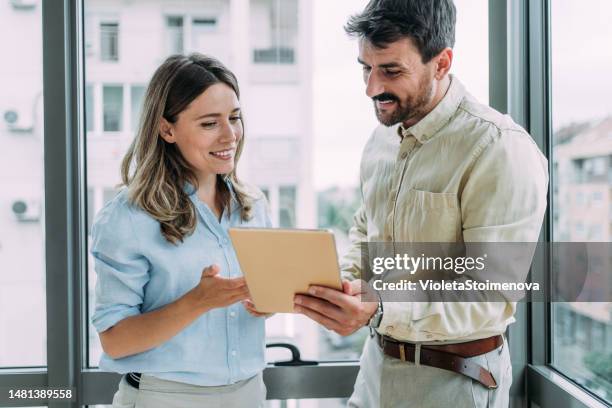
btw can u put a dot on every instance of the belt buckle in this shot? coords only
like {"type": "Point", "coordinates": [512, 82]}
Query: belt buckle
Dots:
{"type": "Point", "coordinates": [402, 351]}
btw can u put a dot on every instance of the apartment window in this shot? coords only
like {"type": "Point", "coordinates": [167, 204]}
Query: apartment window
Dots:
{"type": "Point", "coordinates": [287, 201]}
{"type": "Point", "coordinates": [113, 108]}
{"type": "Point", "coordinates": [174, 34]}
{"type": "Point", "coordinates": [582, 118]}
{"type": "Point", "coordinates": [109, 41]}
{"type": "Point", "coordinates": [274, 28]}
{"type": "Point", "coordinates": [137, 97]}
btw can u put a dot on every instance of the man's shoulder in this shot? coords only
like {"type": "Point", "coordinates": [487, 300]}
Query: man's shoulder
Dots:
{"type": "Point", "coordinates": [485, 118]}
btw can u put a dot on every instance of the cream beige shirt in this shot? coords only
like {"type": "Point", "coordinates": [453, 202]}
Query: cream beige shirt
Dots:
{"type": "Point", "coordinates": [464, 173]}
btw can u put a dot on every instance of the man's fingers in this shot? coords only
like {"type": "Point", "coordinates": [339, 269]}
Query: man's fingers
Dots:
{"type": "Point", "coordinates": [334, 296]}
{"type": "Point", "coordinates": [320, 306]}
{"type": "Point", "coordinates": [346, 287]}
{"type": "Point", "coordinates": [318, 317]}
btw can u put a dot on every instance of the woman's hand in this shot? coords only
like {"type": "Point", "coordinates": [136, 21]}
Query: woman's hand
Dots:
{"type": "Point", "coordinates": [215, 291]}
{"type": "Point", "coordinates": [250, 307]}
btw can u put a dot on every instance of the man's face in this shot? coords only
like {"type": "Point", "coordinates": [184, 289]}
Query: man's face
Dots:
{"type": "Point", "coordinates": [398, 82]}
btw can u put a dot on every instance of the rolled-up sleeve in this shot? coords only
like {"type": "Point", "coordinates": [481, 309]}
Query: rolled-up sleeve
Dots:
{"type": "Point", "coordinates": [121, 268]}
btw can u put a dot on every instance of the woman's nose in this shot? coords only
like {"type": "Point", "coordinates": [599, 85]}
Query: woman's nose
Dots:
{"type": "Point", "coordinates": [230, 133]}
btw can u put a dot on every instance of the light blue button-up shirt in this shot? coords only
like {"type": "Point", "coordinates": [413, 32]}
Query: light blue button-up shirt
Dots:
{"type": "Point", "coordinates": [139, 271]}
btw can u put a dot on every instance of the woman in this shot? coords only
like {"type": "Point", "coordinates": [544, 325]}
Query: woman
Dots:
{"type": "Point", "coordinates": [169, 285]}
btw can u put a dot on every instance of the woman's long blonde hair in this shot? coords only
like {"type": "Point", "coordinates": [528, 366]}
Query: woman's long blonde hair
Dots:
{"type": "Point", "coordinates": [153, 170]}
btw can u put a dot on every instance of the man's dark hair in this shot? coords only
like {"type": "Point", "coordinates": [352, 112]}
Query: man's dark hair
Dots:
{"type": "Point", "coordinates": [429, 23]}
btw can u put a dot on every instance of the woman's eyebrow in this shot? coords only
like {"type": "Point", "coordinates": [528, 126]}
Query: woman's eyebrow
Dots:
{"type": "Point", "coordinates": [215, 115]}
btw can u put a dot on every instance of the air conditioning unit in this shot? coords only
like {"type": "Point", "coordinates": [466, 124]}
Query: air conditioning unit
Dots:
{"type": "Point", "coordinates": [24, 4]}
{"type": "Point", "coordinates": [27, 210]}
{"type": "Point", "coordinates": [19, 121]}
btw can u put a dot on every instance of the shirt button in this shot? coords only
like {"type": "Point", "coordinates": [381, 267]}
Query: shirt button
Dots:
{"type": "Point", "coordinates": [389, 328]}
{"type": "Point", "coordinates": [234, 353]}
{"type": "Point", "coordinates": [233, 314]}
{"type": "Point", "coordinates": [404, 155]}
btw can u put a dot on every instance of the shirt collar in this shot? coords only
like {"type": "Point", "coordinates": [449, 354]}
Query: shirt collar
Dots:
{"type": "Point", "coordinates": [234, 205]}
{"type": "Point", "coordinates": [428, 127]}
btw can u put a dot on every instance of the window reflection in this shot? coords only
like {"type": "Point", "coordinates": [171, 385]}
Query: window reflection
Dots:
{"type": "Point", "coordinates": [582, 181]}
{"type": "Point", "coordinates": [22, 190]}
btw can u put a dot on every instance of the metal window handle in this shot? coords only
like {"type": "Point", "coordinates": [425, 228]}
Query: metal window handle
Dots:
{"type": "Point", "coordinates": [295, 356]}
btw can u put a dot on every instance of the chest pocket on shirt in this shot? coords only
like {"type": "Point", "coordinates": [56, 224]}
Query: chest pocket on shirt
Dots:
{"type": "Point", "coordinates": [428, 217]}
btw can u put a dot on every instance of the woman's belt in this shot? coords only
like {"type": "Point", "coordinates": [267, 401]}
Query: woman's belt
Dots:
{"type": "Point", "coordinates": [451, 357]}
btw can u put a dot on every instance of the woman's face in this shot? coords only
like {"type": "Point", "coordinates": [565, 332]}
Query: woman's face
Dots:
{"type": "Point", "coordinates": [207, 132]}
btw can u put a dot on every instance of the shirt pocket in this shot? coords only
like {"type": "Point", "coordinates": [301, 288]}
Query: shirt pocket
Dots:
{"type": "Point", "coordinates": [425, 216]}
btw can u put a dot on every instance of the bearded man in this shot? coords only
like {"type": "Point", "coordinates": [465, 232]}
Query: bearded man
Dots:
{"type": "Point", "coordinates": [441, 167]}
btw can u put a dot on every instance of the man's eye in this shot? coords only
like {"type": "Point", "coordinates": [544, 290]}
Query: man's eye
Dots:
{"type": "Point", "coordinates": [366, 69]}
{"type": "Point", "coordinates": [392, 73]}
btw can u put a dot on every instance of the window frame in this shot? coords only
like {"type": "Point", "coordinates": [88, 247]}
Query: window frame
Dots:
{"type": "Point", "coordinates": [520, 85]}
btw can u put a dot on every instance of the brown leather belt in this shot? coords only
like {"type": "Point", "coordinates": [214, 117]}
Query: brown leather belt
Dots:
{"type": "Point", "coordinates": [451, 357]}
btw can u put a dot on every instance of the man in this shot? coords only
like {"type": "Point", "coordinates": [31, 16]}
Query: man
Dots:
{"type": "Point", "coordinates": [441, 167]}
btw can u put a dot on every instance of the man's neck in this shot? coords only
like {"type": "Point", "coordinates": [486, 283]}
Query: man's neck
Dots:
{"type": "Point", "coordinates": [441, 90]}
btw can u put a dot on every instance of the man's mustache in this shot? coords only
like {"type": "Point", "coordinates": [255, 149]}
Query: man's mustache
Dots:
{"type": "Point", "coordinates": [385, 96]}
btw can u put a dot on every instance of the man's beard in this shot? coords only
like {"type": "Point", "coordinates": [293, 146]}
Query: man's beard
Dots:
{"type": "Point", "coordinates": [410, 108]}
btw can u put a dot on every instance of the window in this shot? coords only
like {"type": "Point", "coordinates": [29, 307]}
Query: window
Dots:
{"type": "Point", "coordinates": [287, 207]}
{"type": "Point", "coordinates": [113, 108]}
{"type": "Point", "coordinates": [109, 41]}
{"type": "Point", "coordinates": [137, 96]}
{"type": "Point", "coordinates": [274, 27]}
{"type": "Point", "coordinates": [23, 339]}
{"type": "Point", "coordinates": [174, 35]}
{"type": "Point", "coordinates": [582, 125]}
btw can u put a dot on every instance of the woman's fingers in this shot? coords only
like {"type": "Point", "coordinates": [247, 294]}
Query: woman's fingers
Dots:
{"type": "Point", "coordinates": [211, 271]}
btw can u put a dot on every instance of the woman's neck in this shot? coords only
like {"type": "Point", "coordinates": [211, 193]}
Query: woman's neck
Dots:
{"type": "Point", "coordinates": [207, 193]}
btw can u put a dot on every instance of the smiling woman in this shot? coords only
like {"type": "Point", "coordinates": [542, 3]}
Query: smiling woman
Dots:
{"type": "Point", "coordinates": [168, 287]}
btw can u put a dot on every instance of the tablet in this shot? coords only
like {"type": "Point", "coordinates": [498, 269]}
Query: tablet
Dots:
{"type": "Point", "coordinates": [278, 263]}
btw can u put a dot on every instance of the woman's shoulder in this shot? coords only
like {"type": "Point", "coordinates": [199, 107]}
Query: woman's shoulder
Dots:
{"type": "Point", "coordinates": [120, 214]}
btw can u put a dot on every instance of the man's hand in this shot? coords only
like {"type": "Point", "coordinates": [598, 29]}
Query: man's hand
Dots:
{"type": "Point", "coordinates": [344, 311]}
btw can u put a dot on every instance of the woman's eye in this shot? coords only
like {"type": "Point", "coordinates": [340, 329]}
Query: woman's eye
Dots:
{"type": "Point", "coordinates": [235, 118]}
{"type": "Point", "coordinates": [208, 125]}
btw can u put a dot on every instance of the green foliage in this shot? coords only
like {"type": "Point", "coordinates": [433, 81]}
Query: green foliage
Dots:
{"type": "Point", "coordinates": [600, 364]}
{"type": "Point", "coordinates": [336, 208]}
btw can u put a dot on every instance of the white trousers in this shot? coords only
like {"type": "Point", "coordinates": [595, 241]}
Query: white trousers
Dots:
{"type": "Point", "coordinates": [158, 393]}
{"type": "Point", "coordinates": [387, 382]}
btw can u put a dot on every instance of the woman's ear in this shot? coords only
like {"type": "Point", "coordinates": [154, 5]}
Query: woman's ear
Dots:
{"type": "Point", "coordinates": [166, 131]}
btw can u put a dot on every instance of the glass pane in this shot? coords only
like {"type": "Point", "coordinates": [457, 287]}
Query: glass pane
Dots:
{"type": "Point", "coordinates": [89, 108]}
{"type": "Point", "coordinates": [22, 223]}
{"type": "Point", "coordinates": [137, 95]}
{"type": "Point", "coordinates": [303, 147]}
{"type": "Point", "coordinates": [582, 179]}
{"type": "Point", "coordinates": [174, 34]}
{"type": "Point", "coordinates": [113, 108]}
{"type": "Point", "coordinates": [274, 31]}
{"type": "Point", "coordinates": [109, 41]}
{"type": "Point", "coordinates": [287, 207]}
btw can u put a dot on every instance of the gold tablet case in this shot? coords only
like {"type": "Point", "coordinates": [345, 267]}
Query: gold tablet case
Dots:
{"type": "Point", "coordinates": [278, 263]}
